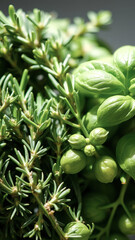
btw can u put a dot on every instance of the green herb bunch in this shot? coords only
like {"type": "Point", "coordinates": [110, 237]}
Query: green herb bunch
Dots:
{"type": "Point", "coordinates": [67, 108]}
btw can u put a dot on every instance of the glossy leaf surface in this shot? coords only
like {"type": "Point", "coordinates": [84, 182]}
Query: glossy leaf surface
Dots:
{"type": "Point", "coordinates": [125, 153]}
{"type": "Point", "coordinates": [124, 59]}
{"type": "Point", "coordinates": [99, 78]}
{"type": "Point", "coordinates": [115, 110]}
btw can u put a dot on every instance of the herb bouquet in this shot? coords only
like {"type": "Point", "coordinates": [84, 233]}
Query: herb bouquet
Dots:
{"type": "Point", "coordinates": [67, 129]}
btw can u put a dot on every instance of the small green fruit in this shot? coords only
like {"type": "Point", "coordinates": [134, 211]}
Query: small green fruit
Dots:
{"type": "Point", "coordinates": [73, 161]}
{"type": "Point", "coordinates": [105, 169]}
{"type": "Point", "coordinates": [98, 136]}
{"type": "Point", "coordinates": [77, 141]}
{"type": "Point", "coordinates": [79, 229]}
{"type": "Point", "coordinates": [127, 225]}
{"type": "Point", "coordinates": [89, 150]}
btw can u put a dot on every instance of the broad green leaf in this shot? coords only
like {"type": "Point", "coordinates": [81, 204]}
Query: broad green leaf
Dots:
{"type": "Point", "coordinates": [115, 110]}
{"type": "Point", "coordinates": [124, 59]}
{"type": "Point", "coordinates": [107, 67]}
{"type": "Point", "coordinates": [132, 89]}
{"type": "Point", "coordinates": [100, 65]}
{"type": "Point", "coordinates": [125, 153]}
{"type": "Point", "coordinates": [99, 78]}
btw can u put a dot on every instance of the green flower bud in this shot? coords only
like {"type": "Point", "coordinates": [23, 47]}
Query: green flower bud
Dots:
{"type": "Point", "coordinates": [77, 229]}
{"type": "Point", "coordinates": [89, 150]}
{"type": "Point", "coordinates": [127, 225]}
{"type": "Point", "coordinates": [98, 136]}
{"type": "Point", "coordinates": [73, 161]}
{"type": "Point", "coordinates": [105, 169]}
{"type": "Point", "coordinates": [77, 141]}
{"type": "Point", "coordinates": [87, 140]}
{"type": "Point", "coordinates": [91, 208]}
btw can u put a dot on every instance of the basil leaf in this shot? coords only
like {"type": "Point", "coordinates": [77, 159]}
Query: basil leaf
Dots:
{"type": "Point", "coordinates": [99, 65]}
{"type": "Point", "coordinates": [98, 78]}
{"type": "Point", "coordinates": [132, 89]}
{"type": "Point", "coordinates": [124, 59]}
{"type": "Point", "coordinates": [125, 153]}
{"type": "Point", "coordinates": [109, 68]}
{"type": "Point", "coordinates": [115, 110]}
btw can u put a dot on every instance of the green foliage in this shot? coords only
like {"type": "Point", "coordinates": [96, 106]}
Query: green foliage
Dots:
{"type": "Point", "coordinates": [63, 100]}
{"type": "Point", "coordinates": [125, 154]}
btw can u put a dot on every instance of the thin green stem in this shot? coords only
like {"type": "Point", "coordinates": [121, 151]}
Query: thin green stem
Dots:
{"type": "Point", "coordinates": [47, 212]}
{"type": "Point", "coordinates": [77, 115]}
{"type": "Point", "coordinates": [82, 127]}
{"type": "Point", "coordinates": [71, 124]}
{"type": "Point", "coordinates": [111, 218]}
{"type": "Point", "coordinates": [123, 191]}
{"type": "Point", "coordinates": [114, 206]}
{"type": "Point", "coordinates": [52, 219]}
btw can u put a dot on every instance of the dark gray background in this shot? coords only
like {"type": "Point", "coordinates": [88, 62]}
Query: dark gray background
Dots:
{"type": "Point", "coordinates": [122, 30]}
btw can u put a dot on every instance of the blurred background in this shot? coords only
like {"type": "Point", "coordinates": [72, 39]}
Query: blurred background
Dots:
{"type": "Point", "coordinates": [121, 31]}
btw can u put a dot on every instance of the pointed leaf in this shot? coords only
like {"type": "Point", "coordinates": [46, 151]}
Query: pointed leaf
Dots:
{"type": "Point", "coordinates": [115, 110]}
{"type": "Point", "coordinates": [124, 59]}
{"type": "Point", "coordinates": [125, 153]}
